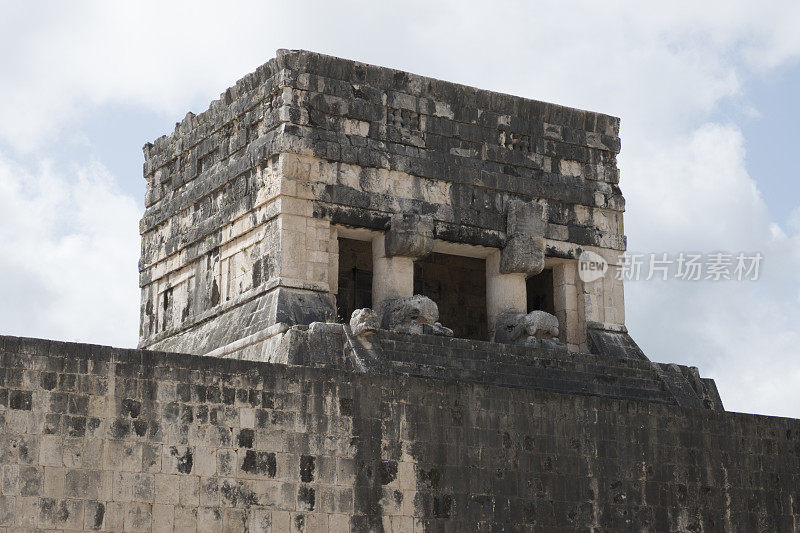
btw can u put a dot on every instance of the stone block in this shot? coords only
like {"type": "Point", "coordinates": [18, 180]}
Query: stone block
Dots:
{"type": "Point", "coordinates": [138, 516]}
{"type": "Point", "coordinates": [82, 484]}
{"type": "Point", "coordinates": [8, 510]}
{"type": "Point", "coordinates": [260, 521]}
{"type": "Point", "coordinates": [50, 451]}
{"type": "Point", "coordinates": [409, 235]}
{"type": "Point", "coordinates": [61, 514]}
{"type": "Point", "coordinates": [122, 455]}
{"type": "Point", "coordinates": [211, 519]}
{"type": "Point", "coordinates": [167, 488]}
{"type": "Point", "coordinates": [163, 517]}
{"type": "Point", "coordinates": [10, 484]}
{"type": "Point", "coordinates": [280, 521]}
{"type": "Point", "coordinates": [189, 491]}
{"type": "Point", "coordinates": [524, 250]}
{"type": "Point", "coordinates": [186, 519]}
{"type": "Point", "coordinates": [114, 516]}
{"type": "Point", "coordinates": [31, 480]}
{"type": "Point", "coordinates": [94, 516]}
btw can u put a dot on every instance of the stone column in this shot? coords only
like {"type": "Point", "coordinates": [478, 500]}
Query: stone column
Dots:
{"type": "Point", "coordinates": [521, 257]}
{"type": "Point", "coordinates": [503, 291]}
{"type": "Point", "coordinates": [569, 308]}
{"type": "Point", "coordinates": [409, 237]}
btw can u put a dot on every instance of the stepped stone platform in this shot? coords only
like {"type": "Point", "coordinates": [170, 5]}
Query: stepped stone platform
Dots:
{"type": "Point", "coordinates": [334, 346]}
{"type": "Point", "coordinates": [101, 438]}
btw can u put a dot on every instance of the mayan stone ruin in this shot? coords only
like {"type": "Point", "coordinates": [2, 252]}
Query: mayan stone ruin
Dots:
{"type": "Point", "coordinates": [363, 310]}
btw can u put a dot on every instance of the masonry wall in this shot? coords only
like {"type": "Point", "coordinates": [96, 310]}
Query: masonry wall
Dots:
{"type": "Point", "coordinates": [101, 438]}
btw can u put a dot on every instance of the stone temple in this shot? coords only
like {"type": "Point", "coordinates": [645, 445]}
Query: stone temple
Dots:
{"type": "Point", "coordinates": [304, 194]}
{"type": "Point", "coordinates": [363, 308]}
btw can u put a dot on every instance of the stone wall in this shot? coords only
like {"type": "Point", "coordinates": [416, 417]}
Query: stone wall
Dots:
{"type": "Point", "coordinates": [99, 438]}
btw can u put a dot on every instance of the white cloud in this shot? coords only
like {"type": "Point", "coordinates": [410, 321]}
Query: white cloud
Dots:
{"type": "Point", "coordinates": [695, 194]}
{"type": "Point", "coordinates": [664, 69]}
{"type": "Point", "coordinates": [70, 249]}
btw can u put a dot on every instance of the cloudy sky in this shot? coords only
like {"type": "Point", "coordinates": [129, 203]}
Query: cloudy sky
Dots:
{"type": "Point", "coordinates": [707, 93]}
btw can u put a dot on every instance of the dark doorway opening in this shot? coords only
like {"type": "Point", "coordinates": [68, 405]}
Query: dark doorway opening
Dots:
{"type": "Point", "coordinates": [539, 291]}
{"type": "Point", "coordinates": [458, 286]}
{"type": "Point", "coordinates": [355, 277]}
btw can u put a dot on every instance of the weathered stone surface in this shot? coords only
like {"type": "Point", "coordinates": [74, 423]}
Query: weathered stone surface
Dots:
{"type": "Point", "coordinates": [279, 306]}
{"type": "Point", "coordinates": [414, 315]}
{"type": "Point", "coordinates": [409, 235]}
{"type": "Point", "coordinates": [610, 339]}
{"type": "Point", "coordinates": [536, 328]}
{"type": "Point", "coordinates": [525, 239]}
{"type": "Point", "coordinates": [472, 447]}
{"type": "Point", "coordinates": [368, 428]}
{"type": "Point", "coordinates": [364, 321]}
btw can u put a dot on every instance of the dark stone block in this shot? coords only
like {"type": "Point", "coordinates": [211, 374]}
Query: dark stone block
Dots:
{"type": "Point", "coordinates": [267, 400]}
{"type": "Point", "coordinates": [52, 424]}
{"type": "Point", "coordinates": [259, 463]}
{"type": "Point", "coordinates": [78, 405]}
{"type": "Point", "coordinates": [306, 499]}
{"type": "Point", "coordinates": [228, 396]}
{"type": "Point", "coordinates": [48, 380]}
{"type": "Point", "coordinates": [245, 438]}
{"type": "Point", "coordinates": [120, 428]}
{"type": "Point", "coordinates": [140, 427]}
{"type": "Point", "coordinates": [75, 425]}
{"type": "Point", "coordinates": [19, 399]}
{"type": "Point", "coordinates": [185, 461]}
{"type": "Point", "coordinates": [306, 468]}
{"type": "Point", "coordinates": [213, 394]}
{"type": "Point", "coordinates": [387, 472]}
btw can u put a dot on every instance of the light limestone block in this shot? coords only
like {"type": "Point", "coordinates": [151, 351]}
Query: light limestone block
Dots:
{"type": "Point", "coordinates": [392, 276]}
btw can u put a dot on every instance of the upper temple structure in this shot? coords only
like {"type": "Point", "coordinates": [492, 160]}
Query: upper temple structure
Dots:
{"type": "Point", "coordinates": [318, 186]}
